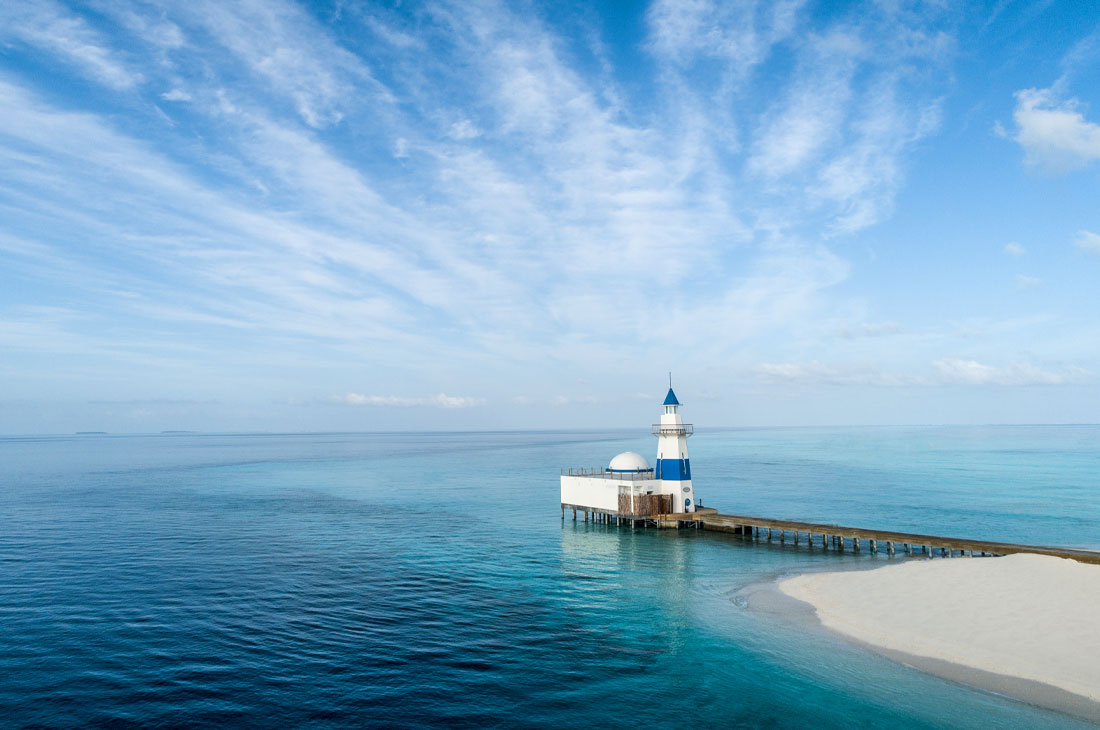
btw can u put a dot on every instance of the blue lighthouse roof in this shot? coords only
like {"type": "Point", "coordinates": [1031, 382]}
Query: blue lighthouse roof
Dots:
{"type": "Point", "coordinates": [670, 399]}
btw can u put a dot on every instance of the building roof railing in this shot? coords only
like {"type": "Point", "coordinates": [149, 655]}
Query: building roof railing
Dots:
{"type": "Point", "coordinates": [599, 472]}
{"type": "Point", "coordinates": [673, 429]}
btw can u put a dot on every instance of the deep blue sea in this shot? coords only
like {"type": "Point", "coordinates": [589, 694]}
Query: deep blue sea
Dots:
{"type": "Point", "coordinates": [428, 580]}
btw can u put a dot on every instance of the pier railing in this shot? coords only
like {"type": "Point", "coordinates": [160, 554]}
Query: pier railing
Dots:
{"type": "Point", "coordinates": [673, 429]}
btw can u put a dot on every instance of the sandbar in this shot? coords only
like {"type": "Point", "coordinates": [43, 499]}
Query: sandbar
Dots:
{"type": "Point", "coordinates": [1022, 617]}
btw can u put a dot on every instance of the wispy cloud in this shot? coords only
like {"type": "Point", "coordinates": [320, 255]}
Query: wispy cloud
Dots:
{"type": "Point", "coordinates": [176, 95]}
{"type": "Point", "coordinates": [284, 45]}
{"type": "Point", "coordinates": [869, 329]}
{"type": "Point", "coordinates": [810, 118]}
{"type": "Point", "coordinates": [1027, 282]}
{"type": "Point", "coordinates": [1014, 249]}
{"type": "Point", "coordinates": [1087, 241]}
{"type": "Point", "coordinates": [946, 371]}
{"type": "Point", "coordinates": [972, 372]}
{"type": "Point", "coordinates": [48, 26]}
{"type": "Point", "coordinates": [1054, 134]}
{"type": "Point", "coordinates": [741, 34]}
{"type": "Point", "coordinates": [434, 401]}
{"type": "Point", "coordinates": [817, 373]}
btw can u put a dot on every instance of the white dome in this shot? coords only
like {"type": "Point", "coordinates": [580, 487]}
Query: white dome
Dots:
{"type": "Point", "coordinates": [629, 461]}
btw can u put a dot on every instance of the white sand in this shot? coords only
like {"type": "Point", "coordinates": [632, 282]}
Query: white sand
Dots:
{"type": "Point", "coordinates": [1029, 616]}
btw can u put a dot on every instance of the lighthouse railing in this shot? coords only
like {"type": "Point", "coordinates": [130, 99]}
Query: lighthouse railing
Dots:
{"type": "Point", "coordinates": [673, 429]}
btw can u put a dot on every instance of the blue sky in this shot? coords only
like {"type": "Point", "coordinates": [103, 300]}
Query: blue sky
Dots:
{"type": "Point", "coordinates": [287, 216]}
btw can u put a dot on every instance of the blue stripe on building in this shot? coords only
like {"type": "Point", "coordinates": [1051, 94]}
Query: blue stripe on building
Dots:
{"type": "Point", "coordinates": [673, 470]}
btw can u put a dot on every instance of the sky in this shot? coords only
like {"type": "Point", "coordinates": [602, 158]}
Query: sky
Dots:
{"type": "Point", "coordinates": [268, 215]}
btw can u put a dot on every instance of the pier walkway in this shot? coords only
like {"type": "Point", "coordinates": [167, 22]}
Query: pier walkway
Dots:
{"type": "Point", "coordinates": [836, 537]}
{"type": "Point", "coordinates": [839, 537]}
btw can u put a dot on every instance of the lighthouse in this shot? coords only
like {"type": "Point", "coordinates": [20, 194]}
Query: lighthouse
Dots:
{"type": "Point", "coordinates": [673, 465]}
{"type": "Point", "coordinates": [630, 488]}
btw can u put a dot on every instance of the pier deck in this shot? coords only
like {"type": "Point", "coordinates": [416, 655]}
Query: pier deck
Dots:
{"type": "Point", "coordinates": [837, 534]}
{"type": "Point", "coordinates": [837, 537]}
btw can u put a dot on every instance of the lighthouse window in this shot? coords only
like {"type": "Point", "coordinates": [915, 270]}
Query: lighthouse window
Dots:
{"type": "Point", "coordinates": [687, 489]}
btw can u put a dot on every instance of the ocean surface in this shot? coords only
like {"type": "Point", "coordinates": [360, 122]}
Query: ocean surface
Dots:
{"type": "Point", "coordinates": [428, 580]}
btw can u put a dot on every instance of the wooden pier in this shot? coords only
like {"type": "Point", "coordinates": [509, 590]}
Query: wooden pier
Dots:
{"type": "Point", "coordinates": [835, 537]}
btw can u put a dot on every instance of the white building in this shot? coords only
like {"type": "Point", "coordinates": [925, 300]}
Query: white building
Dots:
{"type": "Point", "coordinates": [629, 486]}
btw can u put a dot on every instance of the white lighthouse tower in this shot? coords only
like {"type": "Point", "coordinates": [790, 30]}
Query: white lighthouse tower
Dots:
{"type": "Point", "coordinates": [673, 467]}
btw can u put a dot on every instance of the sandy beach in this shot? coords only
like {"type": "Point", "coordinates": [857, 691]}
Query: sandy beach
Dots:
{"type": "Point", "coordinates": [1029, 617]}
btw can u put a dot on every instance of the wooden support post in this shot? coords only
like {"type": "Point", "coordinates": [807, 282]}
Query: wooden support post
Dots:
{"type": "Point", "coordinates": [574, 515]}
{"type": "Point", "coordinates": [796, 537]}
{"type": "Point", "coordinates": [855, 544]}
{"type": "Point", "coordinates": [782, 537]}
{"type": "Point", "coordinates": [890, 547]}
{"type": "Point", "coordinates": [874, 545]}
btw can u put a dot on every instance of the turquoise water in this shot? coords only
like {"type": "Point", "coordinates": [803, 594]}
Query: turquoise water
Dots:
{"type": "Point", "coordinates": [426, 580]}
